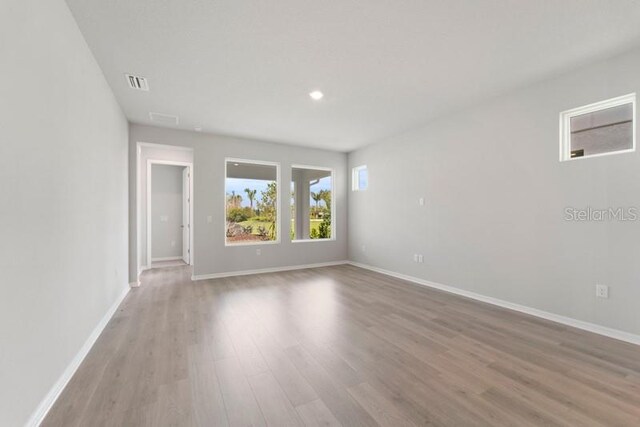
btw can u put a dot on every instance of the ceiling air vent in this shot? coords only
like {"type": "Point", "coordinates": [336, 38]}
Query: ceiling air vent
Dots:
{"type": "Point", "coordinates": [137, 82]}
{"type": "Point", "coordinates": [164, 119]}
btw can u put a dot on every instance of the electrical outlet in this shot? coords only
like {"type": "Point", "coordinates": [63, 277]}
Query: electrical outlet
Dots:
{"type": "Point", "coordinates": [602, 291]}
{"type": "Point", "coordinates": [415, 257]}
{"type": "Point", "coordinates": [420, 258]}
{"type": "Point", "coordinates": [209, 219]}
{"type": "Point", "coordinates": [258, 251]}
{"type": "Point", "coordinates": [421, 201]}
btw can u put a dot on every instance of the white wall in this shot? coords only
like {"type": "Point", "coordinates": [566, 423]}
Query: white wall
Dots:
{"type": "Point", "coordinates": [210, 254]}
{"type": "Point", "coordinates": [493, 221]}
{"type": "Point", "coordinates": [166, 211]}
{"type": "Point", "coordinates": [63, 209]}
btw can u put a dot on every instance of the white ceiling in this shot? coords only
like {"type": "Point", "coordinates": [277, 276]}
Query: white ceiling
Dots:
{"type": "Point", "coordinates": [245, 67]}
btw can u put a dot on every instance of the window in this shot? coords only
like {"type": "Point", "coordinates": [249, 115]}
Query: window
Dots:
{"type": "Point", "coordinates": [311, 203]}
{"type": "Point", "coordinates": [606, 127]}
{"type": "Point", "coordinates": [359, 178]}
{"type": "Point", "coordinates": [251, 202]}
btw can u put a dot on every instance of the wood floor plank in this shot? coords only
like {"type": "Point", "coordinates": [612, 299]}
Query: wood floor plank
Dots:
{"type": "Point", "coordinates": [276, 408]}
{"type": "Point", "coordinates": [207, 403]}
{"type": "Point", "coordinates": [337, 399]}
{"type": "Point", "coordinates": [316, 414]}
{"type": "Point", "coordinates": [173, 408]}
{"type": "Point", "coordinates": [381, 409]}
{"type": "Point", "coordinates": [297, 389]}
{"type": "Point", "coordinates": [239, 400]}
{"type": "Point", "coordinates": [340, 346]}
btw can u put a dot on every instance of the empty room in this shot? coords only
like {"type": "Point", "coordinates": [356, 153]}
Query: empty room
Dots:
{"type": "Point", "coordinates": [303, 213]}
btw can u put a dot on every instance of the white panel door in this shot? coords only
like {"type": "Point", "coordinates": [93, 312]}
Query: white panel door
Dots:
{"type": "Point", "coordinates": [186, 216]}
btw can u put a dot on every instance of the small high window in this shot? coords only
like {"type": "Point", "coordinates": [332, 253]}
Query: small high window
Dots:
{"type": "Point", "coordinates": [251, 202]}
{"type": "Point", "coordinates": [359, 178]}
{"type": "Point", "coordinates": [606, 127]}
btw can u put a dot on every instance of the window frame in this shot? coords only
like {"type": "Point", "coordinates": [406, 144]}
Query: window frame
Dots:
{"type": "Point", "coordinates": [565, 125]}
{"type": "Point", "coordinates": [333, 204]}
{"type": "Point", "coordinates": [355, 178]}
{"type": "Point", "coordinates": [277, 240]}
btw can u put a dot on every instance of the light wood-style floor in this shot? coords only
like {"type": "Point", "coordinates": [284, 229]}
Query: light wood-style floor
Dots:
{"type": "Point", "coordinates": [340, 346]}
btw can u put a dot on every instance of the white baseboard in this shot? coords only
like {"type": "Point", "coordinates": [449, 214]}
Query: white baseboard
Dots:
{"type": "Point", "coordinates": [265, 270]}
{"type": "Point", "coordinates": [586, 326]}
{"type": "Point", "coordinates": [168, 258]}
{"type": "Point", "coordinates": [134, 284]}
{"type": "Point", "coordinates": [45, 405]}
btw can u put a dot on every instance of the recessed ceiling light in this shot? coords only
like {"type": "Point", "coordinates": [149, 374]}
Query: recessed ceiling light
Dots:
{"type": "Point", "coordinates": [198, 128]}
{"type": "Point", "coordinates": [236, 164]}
{"type": "Point", "coordinates": [316, 95]}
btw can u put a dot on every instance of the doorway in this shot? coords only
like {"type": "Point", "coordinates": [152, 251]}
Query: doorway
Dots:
{"type": "Point", "coordinates": [169, 214]}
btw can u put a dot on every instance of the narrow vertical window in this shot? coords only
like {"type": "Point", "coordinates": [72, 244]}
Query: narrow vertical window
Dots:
{"type": "Point", "coordinates": [311, 203]}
